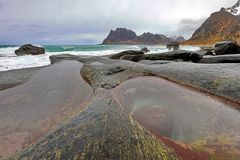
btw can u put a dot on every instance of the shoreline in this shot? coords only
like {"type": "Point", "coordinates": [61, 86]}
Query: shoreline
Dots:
{"type": "Point", "coordinates": [104, 74]}
{"type": "Point", "coordinates": [13, 78]}
{"type": "Point", "coordinates": [101, 75]}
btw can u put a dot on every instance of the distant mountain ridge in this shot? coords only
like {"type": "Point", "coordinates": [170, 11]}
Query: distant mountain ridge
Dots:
{"type": "Point", "coordinates": [126, 36]}
{"type": "Point", "coordinates": [221, 25]}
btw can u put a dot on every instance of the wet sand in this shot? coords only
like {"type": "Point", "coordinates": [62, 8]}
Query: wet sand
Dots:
{"type": "Point", "coordinates": [52, 96]}
{"type": "Point", "coordinates": [179, 113]}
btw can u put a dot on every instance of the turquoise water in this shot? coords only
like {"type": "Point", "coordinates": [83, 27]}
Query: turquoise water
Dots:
{"type": "Point", "coordinates": [63, 48]}
{"type": "Point", "coordinates": [77, 48]}
{"type": "Point", "coordinates": [9, 60]}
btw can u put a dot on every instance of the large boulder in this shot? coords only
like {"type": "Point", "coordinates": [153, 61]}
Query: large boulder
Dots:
{"type": "Point", "coordinates": [145, 50]}
{"type": "Point", "coordinates": [173, 45]}
{"type": "Point", "coordinates": [128, 52]}
{"type": "Point", "coordinates": [227, 47]}
{"type": "Point", "coordinates": [29, 49]}
{"type": "Point", "coordinates": [177, 55]}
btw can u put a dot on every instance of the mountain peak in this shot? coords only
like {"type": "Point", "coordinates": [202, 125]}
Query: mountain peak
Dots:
{"type": "Point", "coordinates": [178, 39]}
{"type": "Point", "coordinates": [126, 36]}
{"type": "Point", "coordinates": [222, 25]}
{"type": "Point", "coordinates": [120, 34]}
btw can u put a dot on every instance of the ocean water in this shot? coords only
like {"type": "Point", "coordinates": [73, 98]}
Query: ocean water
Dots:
{"type": "Point", "coordinates": [9, 60]}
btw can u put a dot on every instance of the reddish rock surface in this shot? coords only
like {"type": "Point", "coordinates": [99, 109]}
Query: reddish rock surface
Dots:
{"type": "Point", "coordinates": [195, 125]}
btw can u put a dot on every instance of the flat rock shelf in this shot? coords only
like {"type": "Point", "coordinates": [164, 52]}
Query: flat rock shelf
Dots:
{"type": "Point", "coordinates": [29, 111]}
{"type": "Point", "coordinates": [136, 107]}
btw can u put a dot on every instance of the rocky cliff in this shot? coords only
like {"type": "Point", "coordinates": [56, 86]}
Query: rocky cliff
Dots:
{"type": "Point", "coordinates": [126, 36]}
{"type": "Point", "coordinates": [120, 35]}
{"type": "Point", "coordinates": [221, 25]}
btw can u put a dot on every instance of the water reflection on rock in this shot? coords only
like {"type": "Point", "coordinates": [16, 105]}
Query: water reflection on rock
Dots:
{"type": "Point", "coordinates": [177, 112]}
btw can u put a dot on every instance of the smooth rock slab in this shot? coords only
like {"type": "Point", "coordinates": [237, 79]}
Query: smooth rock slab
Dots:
{"type": "Point", "coordinates": [29, 111]}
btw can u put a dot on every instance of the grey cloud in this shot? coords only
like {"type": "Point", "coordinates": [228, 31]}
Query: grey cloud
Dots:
{"type": "Point", "coordinates": [90, 21]}
{"type": "Point", "coordinates": [188, 26]}
{"type": "Point", "coordinates": [1, 5]}
{"type": "Point", "coordinates": [36, 26]}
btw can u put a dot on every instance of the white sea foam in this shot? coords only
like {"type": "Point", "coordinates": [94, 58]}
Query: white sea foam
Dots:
{"type": "Point", "coordinates": [8, 51]}
{"type": "Point", "coordinates": [9, 61]}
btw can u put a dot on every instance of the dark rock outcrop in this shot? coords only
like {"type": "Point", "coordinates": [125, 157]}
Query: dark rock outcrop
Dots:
{"type": "Point", "coordinates": [169, 56]}
{"type": "Point", "coordinates": [227, 47]}
{"type": "Point", "coordinates": [145, 50]}
{"type": "Point", "coordinates": [129, 52]}
{"type": "Point", "coordinates": [29, 49]}
{"type": "Point", "coordinates": [206, 52]}
{"type": "Point", "coordinates": [173, 45]}
{"type": "Point", "coordinates": [126, 36]}
{"type": "Point", "coordinates": [119, 36]}
{"type": "Point", "coordinates": [235, 58]}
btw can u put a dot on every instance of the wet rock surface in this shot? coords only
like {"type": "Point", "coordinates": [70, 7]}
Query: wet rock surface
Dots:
{"type": "Point", "coordinates": [181, 114]}
{"type": "Point", "coordinates": [108, 76]}
{"type": "Point", "coordinates": [124, 122]}
{"type": "Point", "coordinates": [13, 78]}
{"type": "Point", "coordinates": [102, 131]}
{"type": "Point", "coordinates": [219, 79]}
{"type": "Point", "coordinates": [29, 111]}
{"type": "Point", "coordinates": [176, 112]}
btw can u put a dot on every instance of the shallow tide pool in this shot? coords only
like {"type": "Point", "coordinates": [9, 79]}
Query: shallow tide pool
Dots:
{"type": "Point", "coordinates": [178, 113]}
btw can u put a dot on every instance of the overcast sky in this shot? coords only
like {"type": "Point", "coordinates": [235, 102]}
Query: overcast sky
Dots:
{"type": "Point", "coordinates": [89, 21]}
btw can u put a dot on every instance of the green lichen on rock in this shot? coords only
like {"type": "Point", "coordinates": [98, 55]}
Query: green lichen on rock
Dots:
{"type": "Point", "coordinates": [103, 131]}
